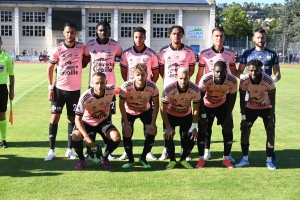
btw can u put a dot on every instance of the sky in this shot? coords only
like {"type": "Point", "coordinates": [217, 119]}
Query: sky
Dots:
{"type": "Point", "coordinates": [249, 1]}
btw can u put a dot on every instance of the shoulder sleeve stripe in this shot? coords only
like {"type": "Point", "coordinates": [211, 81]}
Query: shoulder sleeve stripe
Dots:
{"type": "Point", "coordinates": [233, 80]}
{"type": "Point", "coordinates": [170, 88]}
{"type": "Point", "coordinates": [151, 50]}
{"type": "Point", "coordinates": [268, 80]}
{"type": "Point", "coordinates": [164, 47]}
{"type": "Point", "coordinates": [85, 97]}
{"type": "Point", "coordinates": [128, 49]}
{"type": "Point", "coordinates": [194, 87]}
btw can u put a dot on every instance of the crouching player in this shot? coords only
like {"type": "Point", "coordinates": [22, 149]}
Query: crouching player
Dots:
{"type": "Point", "coordinates": [176, 111]}
{"type": "Point", "coordinates": [261, 103]}
{"type": "Point", "coordinates": [92, 116]}
{"type": "Point", "coordinates": [134, 103]}
{"type": "Point", "coordinates": [218, 95]}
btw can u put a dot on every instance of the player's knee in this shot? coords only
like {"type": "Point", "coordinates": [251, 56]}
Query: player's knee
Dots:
{"type": "Point", "coordinates": [77, 136]}
{"type": "Point", "coordinates": [227, 128]}
{"type": "Point", "coordinates": [114, 135]}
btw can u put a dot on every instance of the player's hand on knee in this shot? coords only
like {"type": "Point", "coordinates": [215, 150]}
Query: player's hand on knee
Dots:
{"type": "Point", "coordinates": [170, 132]}
{"type": "Point", "coordinates": [51, 95]}
{"type": "Point", "coordinates": [126, 129]}
{"type": "Point", "coordinates": [194, 135]}
{"type": "Point", "coordinates": [89, 142]}
{"type": "Point", "coordinates": [151, 129]}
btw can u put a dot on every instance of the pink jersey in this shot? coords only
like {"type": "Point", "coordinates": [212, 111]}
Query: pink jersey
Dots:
{"type": "Point", "coordinates": [215, 94]}
{"type": "Point", "coordinates": [210, 56]}
{"type": "Point", "coordinates": [69, 65]}
{"type": "Point", "coordinates": [103, 58]}
{"type": "Point", "coordinates": [258, 93]}
{"type": "Point", "coordinates": [180, 102]}
{"type": "Point", "coordinates": [173, 59]}
{"type": "Point", "coordinates": [94, 109]}
{"type": "Point", "coordinates": [137, 101]}
{"type": "Point", "coordinates": [130, 58]}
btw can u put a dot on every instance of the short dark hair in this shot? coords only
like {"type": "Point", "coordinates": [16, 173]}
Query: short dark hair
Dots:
{"type": "Point", "coordinates": [176, 26]}
{"type": "Point", "coordinates": [101, 74]}
{"type": "Point", "coordinates": [103, 23]}
{"type": "Point", "coordinates": [221, 64]}
{"type": "Point", "coordinates": [259, 30]}
{"type": "Point", "coordinates": [218, 28]}
{"type": "Point", "coordinates": [256, 63]}
{"type": "Point", "coordinates": [70, 24]}
{"type": "Point", "coordinates": [140, 30]}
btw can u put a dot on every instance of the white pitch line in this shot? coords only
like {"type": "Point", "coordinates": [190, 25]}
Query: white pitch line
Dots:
{"type": "Point", "coordinates": [22, 95]}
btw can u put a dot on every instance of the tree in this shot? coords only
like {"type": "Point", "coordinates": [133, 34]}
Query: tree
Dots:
{"type": "Point", "coordinates": [235, 22]}
{"type": "Point", "coordinates": [218, 17]}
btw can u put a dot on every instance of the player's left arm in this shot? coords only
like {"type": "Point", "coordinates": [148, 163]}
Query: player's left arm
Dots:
{"type": "Point", "coordinates": [193, 128]}
{"type": "Point", "coordinates": [10, 65]}
{"type": "Point", "coordinates": [191, 70]}
{"type": "Point", "coordinates": [155, 101]}
{"type": "Point", "coordinates": [276, 71]}
{"type": "Point", "coordinates": [155, 75]}
{"type": "Point", "coordinates": [85, 61]}
{"type": "Point", "coordinates": [161, 71]}
{"type": "Point", "coordinates": [272, 110]}
{"type": "Point", "coordinates": [11, 87]}
{"type": "Point", "coordinates": [231, 103]}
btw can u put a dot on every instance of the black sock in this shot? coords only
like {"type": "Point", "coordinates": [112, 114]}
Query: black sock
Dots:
{"type": "Point", "coordinates": [148, 144]}
{"type": "Point", "coordinates": [245, 149]}
{"type": "Point", "coordinates": [70, 131]}
{"type": "Point", "coordinates": [110, 147]}
{"type": "Point", "coordinates": [270, 151]}
{"type": "Point", "coordinates": [200, 145]}
{"type": "Point", "coordinates": [227, 148]}
{"type": "Point", "coordinates": [52, 135]}
{"type": "Point", "coordinates": [170, 148]}
{"type": "Point", "coordinates": [78, 147]}
{"type": "Point", "coordinates": [128, 148]}
{"type": "Point", "coordinates": [187, 149]}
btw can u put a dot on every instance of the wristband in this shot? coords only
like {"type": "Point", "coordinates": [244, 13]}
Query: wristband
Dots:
{"type": "Point", "coordinates": [243, 117]}
{"type": "Point", "coordinates": [275, 79]}
{"type": "Point", "coordinates": [194, 125]}
{"type": "Point", "coordinates": [50, 87]}
{"type": "Point", "coordinates": [203, 115]}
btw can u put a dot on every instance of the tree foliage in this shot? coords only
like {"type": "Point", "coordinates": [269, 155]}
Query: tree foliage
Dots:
{"type": "Point", "coordinates": [235, 22]}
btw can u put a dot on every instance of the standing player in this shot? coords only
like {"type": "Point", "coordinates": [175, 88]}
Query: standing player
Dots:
{"type": "Point", "coordinates": [218, 95]}
{"type": "Point", "coordinates": [171, 58]}
{"type": "Point", "coordinates": [139, 53]}
{"type": "Point", "coordinates": [6, 70]}
{"type": "Point", "coordinates": [101, 53]}
{"type": "Point", "coordinates": [176, 111]}
{"type": "Point", "coordinates": [92, 116]}
{"type": "Point", "coordinates": [268, 57]}
{"type": "Point", "coordinates": [134, 103]}
{"type": "Point", "coordinates": [208, 58]}
{"type": "Point", "coordinates": [261, 103]}
{"type": "Point", "coordinates": [68, 58]}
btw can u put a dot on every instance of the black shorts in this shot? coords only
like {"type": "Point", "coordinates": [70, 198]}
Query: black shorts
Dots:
{"type": "Point", "coordinates": [252, 115]}
{"type": "Point", "coordinates": [184, 122]}
{"type": "Point", "coordinates": [101, 128]}
{"type": "Point", "coordinates": [62, 97]}
{"type": "Point", "coordinates": [145, 117]}
{"type": "Point", "coordinates": [3, 97]}
{"type": "Point", "coordinates": [218, 112]}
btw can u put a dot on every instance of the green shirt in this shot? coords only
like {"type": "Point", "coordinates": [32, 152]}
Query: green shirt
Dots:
{"type": "Point", "coordinates": [6, 67]}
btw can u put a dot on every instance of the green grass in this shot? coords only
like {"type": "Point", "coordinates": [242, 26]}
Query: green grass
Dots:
{"type": "Point", "coordinates": [25, 175]}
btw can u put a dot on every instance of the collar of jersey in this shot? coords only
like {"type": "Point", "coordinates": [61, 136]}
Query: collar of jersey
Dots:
{"type": "Point", "coordinates": [213, 48]}
{"type": "Point", "coordinates": [181, 47]}
{"type": "Point", "coordinates": [64, 42]}
{"type": "Point", "coordinates": [136, 51]}
{"type": "Point", "coordinates": [93, 93]}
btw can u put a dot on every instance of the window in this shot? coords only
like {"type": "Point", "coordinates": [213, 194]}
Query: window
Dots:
{"type": "Point", "coordinates": [163, 19]}
{"type": "Point", "coordinates": [91, 31]}
{"type": "Point", "coordinates": [132, 18]}
{"type": "Point", "coordinates": [96, 17]}
{"type": "Point", "coordinates": [6, 30]}
{"type": "Point", "coordinates": [126, 32]}
{"type": "Point", "coordinates": [159, 32]}
{"type": "Point", "coordinates": [31, 16]}
{"type": "Point", "coordinates": [6, 16]}
{"type": "Point", "coordinates": [34, 31]}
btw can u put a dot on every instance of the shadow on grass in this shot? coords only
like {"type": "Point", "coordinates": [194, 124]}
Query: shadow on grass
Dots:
{"type": "Point", "coordinates": [63, 144]}
{"type": "Point", "coordinates": [16, 166]}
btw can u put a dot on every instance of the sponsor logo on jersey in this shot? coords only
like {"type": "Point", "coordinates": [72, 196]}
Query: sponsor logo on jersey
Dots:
{"type": "Point", "coordinates": [79, 107]}
{"type": "Point", "coordinates": [1, 68]}
{"type": "Point", "coordinates": [108, 51]}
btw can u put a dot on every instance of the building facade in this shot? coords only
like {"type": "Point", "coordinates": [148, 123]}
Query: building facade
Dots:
{"type": "Point", "coordinates": [37, 25]}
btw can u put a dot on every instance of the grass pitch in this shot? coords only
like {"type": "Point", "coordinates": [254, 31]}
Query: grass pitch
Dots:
{"type": "Point", "coordinates": [25, 175]}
